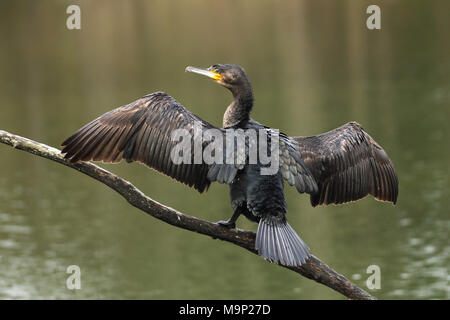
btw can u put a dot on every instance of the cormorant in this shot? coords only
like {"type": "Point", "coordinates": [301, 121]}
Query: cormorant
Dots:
{"type": "Point", "coordinates": [335, 167]}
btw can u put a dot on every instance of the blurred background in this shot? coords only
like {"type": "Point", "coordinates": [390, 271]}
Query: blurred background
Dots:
{"type": "Point", "coordinates": [314, 66]}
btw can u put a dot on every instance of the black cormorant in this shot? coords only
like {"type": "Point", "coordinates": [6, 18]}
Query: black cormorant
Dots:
{"type": "Point", "coordinates": [339, 166]}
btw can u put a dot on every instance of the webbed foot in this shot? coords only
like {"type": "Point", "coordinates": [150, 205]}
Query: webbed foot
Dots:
{"type": "Point", "coordinates": [227, 224]}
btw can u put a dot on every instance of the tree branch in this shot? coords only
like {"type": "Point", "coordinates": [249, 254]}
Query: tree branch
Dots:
{"type": "Point", "coordinates": [313, 269]}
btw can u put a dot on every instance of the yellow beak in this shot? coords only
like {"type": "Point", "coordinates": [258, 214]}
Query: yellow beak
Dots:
{"type": "Point", "coordinates": [205, 72]}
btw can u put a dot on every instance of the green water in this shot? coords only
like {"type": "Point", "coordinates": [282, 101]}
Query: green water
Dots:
{"type": "Point", "coordinates": [314, 66]}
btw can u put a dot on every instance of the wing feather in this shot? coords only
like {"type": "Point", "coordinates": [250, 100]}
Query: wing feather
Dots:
{"type": "Point", "coordinates": [293, 168]}
{"type": "Point", "coordinates": [347, 165]}
{"type": "Point", "coordinates": [140, 131]}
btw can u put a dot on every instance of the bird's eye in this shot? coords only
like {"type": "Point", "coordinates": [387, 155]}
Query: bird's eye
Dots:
{"type": "Point", "coordinates": [215, 68]}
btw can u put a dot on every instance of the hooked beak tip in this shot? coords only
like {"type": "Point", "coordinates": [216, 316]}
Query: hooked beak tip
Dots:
{"type": "Point", "coordinates": [205, 72]}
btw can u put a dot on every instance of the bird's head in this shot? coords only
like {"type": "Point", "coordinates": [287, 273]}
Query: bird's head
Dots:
{"type": "Point", "coordinates": [230, 76]}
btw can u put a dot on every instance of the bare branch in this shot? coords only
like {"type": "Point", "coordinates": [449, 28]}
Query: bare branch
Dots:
{"type": "Point", "coordinates": [313, 269]}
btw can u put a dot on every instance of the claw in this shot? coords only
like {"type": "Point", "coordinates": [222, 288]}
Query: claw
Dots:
{"type": "Point", "coordinates": [227, 224]}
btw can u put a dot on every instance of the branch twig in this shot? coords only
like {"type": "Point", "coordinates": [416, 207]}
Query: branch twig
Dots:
{"type": "Point", "coordinates": [313, 269]}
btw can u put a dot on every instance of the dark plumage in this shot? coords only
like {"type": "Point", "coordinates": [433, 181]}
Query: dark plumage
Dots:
{"type": "Point", "coordinates": [342, 165]}
{"type": "Point", "coordinates": [347, 165]}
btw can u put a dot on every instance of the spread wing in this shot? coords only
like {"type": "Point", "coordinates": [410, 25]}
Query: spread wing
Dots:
{"type": "Point", "coordinates": [291, 165]}
{"type": "Point", "coordinates": [293, 168]}
{"type": "Point", "coordinates": [347, 165]}
{"type": "Point", "coordinates": [142, 131]}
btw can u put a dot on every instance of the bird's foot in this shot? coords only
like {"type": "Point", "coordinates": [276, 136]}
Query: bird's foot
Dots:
{"type": "Point", "coordinates": [227, 224]}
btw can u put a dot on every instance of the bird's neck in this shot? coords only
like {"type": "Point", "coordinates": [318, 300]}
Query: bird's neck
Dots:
{"type": "Point", "coordinates": [239, 110]}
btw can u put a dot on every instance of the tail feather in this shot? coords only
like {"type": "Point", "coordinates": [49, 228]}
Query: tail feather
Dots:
{"type": "Point", "coordinates": [277, 242]}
